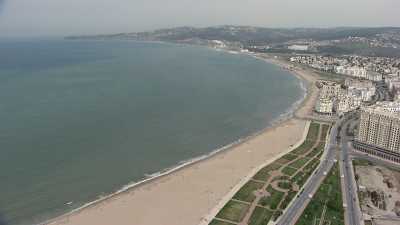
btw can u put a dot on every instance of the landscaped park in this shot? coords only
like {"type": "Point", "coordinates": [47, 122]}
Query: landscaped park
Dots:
{"type": "Point", "coordinates": [271, 189]}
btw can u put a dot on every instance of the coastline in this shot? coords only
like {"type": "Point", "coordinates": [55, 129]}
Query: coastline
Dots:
{"type": "Point", "coordinates": [88, 213]}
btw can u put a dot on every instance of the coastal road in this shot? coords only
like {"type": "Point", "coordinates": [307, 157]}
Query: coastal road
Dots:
{"type": "Point", "coordinates": [353, 215]}
{"type": "Point", "coordinates": [295, 209]}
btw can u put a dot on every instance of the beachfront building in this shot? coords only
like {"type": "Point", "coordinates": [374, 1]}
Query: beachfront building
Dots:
{"type": "Point", "coordinates": [366, 89]}
{"type": "Point", "coordinates": [379, 131]}
{"type": "Point", "coordinates": [329, 92]}
{"type": "Point", "coordinates": [374, 76]}
{"type": "Point", "coordinates": [330, 89]}
{"type": "Point", "coordinates": [354, 71]}
{"type": "Point", "coordinates": [342, 105]}
{"type": "Point", "coordinates": [324, 105]}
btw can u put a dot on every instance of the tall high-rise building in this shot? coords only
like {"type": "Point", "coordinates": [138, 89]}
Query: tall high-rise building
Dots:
{"type": "Point", "coordinates": [379, 130]}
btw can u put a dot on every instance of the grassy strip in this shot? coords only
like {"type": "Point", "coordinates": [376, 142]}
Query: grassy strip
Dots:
{"type": "Point", "coordinates": [260, 216]}
{"type": "Point", "coordinates": [304, 148]}
{"type": "Point", "coordinates": [328, 195]}
{"type": "Point", "coordinates": [263, 174]}
{"type": "Point", "coordinates": [313, 131]}
{"type": "Point", "coordinates": [233, 211]}
{"type": "Point", "coordinates": [299, 163]}
{"type": "Point", "coordinates": [246, 193]}
{"type": "Point", "coordinates": [289, 157]}
{"type": "Point", "coordinates": [324, 131]}
{"type": "Point", "coordinates": [276, 214]}
{"type": "Point", "coordinates": [300, 178]}
{"type": "Point", "coordinates": [280, 178]}
{"type": "Point", "coordinates": [316, 150]}
{"type": "Point", "coordinates": [219, 222]}
{"type": "Point", "coordinates": [286, 158]}
{"type": "Point", "coordinates": [285, 185]}
{"type": "Point", "coordinates": [273, 199]}
{"type": "Point", "coordinates": [311, 166]}
{"type": "Point", "coordinates": [289, 171]}
{"type": "Point", "coordinates": [282, 161]}
{"type": "Point", "coordinates": [287, 199]}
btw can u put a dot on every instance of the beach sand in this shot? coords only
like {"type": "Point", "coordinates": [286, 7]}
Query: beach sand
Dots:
{"type": "Point", "coordinates": [191, 195]}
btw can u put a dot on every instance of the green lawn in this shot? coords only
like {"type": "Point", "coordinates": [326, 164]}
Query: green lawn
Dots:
{"type": "Point", "coordinates": [283, 177]}
{"type": "Point", "coordinates": [328, 196]}
{"type": "Point", "coordinates": [316, 150]}
{"type": "Point", "coordinates": [273, 199]}
{"type": "Point", "coordinates": [313, 131]}
{"type": "Point", "coordinates": [246, 193]}
{"type": "Point", "coordinates": [289, 156]}
{"type": "Point", "coordinates": [219, 222]}
{"type": "Point", "coordinates": [276, 215]}
{"type": "Point", "coordinates": [304, 148]}
{"type": "Point", "coordinates": [324, 132]}
{"type": "Point", "coordinates": [233, 211]}
{"type": "Point", "coordinates": [310, 140]}
{"type": "Point", "coordinates": [289, 171]}
{"type": "Point", "coordinates": [299, 163]}
{"type": "Point", "coordinates": [311, 166]}
{"type": "Point", "coordinates": [260, 216]}
{"type": "Point", "coordinates": [300, 178]}
{"type": "Point", "coordinates": [285, 184]}
{"type": "Point", "coordinates": [287, 199]}
{"type": "Point", "coordinates": [263, 174]}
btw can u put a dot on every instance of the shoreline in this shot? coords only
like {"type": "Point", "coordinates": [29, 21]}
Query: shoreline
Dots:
{"type": "Point", "coordinates": [281, 120]}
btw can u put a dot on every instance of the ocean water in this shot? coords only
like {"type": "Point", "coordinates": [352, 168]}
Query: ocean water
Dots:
{"type": "Point", "coordinates": [81, 119]}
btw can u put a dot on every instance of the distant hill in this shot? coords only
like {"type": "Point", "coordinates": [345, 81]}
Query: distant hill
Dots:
{"type": "Point", "coordinates": [340, 40]}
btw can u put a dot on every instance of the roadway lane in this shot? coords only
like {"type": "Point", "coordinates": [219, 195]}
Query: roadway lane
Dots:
{"type": "Point", "coordinates": [353, 213]}
{"type": "Point", "coordinates": [294, 210]}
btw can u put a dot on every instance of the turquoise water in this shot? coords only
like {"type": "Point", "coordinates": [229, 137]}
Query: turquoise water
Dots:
{"type": "Point", "coordinates": [80, 119]}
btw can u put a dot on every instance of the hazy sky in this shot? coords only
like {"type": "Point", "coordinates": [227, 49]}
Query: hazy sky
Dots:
{"type": "Point", "coordinates": [65, 17]}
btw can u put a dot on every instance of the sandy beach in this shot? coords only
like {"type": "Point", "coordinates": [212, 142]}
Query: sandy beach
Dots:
{"type": "Point", "coordinates": [190, 195]}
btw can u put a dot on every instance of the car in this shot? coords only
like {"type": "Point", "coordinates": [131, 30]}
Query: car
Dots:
{"type": "Point", "coordinates": [310, 196]}
{"type": "Point", "coordinates": [325, 173]}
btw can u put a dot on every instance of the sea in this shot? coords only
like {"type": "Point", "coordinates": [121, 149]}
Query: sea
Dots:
{"type": "Point", "coordinates": [80, 120]}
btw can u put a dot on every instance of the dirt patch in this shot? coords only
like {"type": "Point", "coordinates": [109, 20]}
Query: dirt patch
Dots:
{"type": "Point", "coordinates": [379, 191]}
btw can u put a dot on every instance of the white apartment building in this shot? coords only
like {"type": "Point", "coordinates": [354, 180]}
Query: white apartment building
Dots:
{"type": "Point", "coordinates": [330, 89]}
{"type": "Point", "coordinates": [364, 88]}
{"type": "Point", "coordinates": [379, 130]}
{"type": "Point", "coordinates": [324, 105]}
{"type": "Point", "coordinates": [353, 71]}
{"type": "Point", "coordinates": [374, 76]}
{"type": "Point", "coordinates": [342, 105]}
